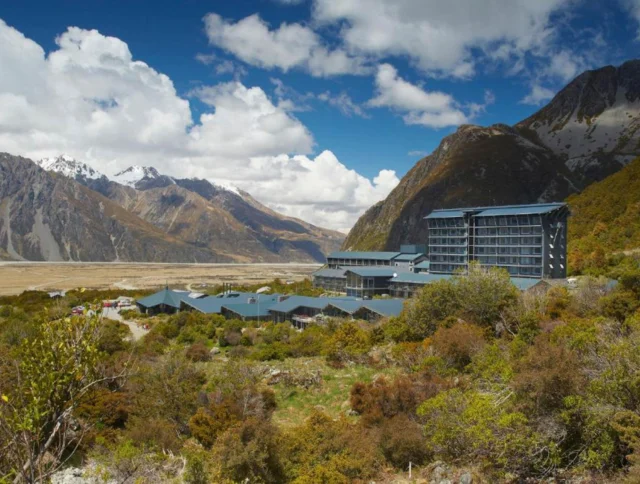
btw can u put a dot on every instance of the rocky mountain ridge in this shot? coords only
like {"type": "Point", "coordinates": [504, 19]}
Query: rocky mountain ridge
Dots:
{"type": "Point", "coordinates": [588, 131]}
{"type": "Point", "coordinates": [206, 222]}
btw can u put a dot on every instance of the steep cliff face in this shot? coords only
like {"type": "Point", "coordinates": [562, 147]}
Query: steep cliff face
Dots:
{"type": "Point", "coordinates": [588, 131]}
{"type": "Point", "coordinates": [50, 217]}
{"type": "Point", "coordinates": [593, 123]}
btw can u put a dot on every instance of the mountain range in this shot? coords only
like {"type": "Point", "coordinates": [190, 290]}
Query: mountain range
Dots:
{"type": "Point", "coordinates": [587, 132]}
{"type": "Point", "coordinates": [61, 209]}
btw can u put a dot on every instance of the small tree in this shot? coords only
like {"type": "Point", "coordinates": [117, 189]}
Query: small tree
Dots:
{"type": "Point", "coordinates": [54, 371]}
{"type": "Point", "coordinates": [485, 293]}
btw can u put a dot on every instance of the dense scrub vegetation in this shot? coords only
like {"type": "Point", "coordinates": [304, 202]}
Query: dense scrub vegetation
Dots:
{"type": "Point", "coordinates": [604, 228]}
{"type": "Point", "coordinates": [473, 375]}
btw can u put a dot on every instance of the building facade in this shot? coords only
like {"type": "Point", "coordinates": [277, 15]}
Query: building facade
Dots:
{"type": "Point", "coordinates": [366, 282]}
{"type": "Point", "coordinates": [525, 240]}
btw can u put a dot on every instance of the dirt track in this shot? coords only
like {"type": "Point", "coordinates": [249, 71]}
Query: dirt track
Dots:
{"type": "Point", "coordinates": [16, 277]}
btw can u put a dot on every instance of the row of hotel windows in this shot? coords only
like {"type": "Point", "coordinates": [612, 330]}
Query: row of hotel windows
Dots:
{"type": "Point", "coordinates": [486, 241]}
{"type": "Point", "coordinates": [509, 241]}
{"type": "Point", "coordinates": [449, 232]}
{"type": "Point", "coordinates": [445, 241]}
{"type": "Point", "coordinates": [502, 221]}
{"type": "Point", "coordinates": [522, 261]}
{"type": "Point", "coordinates": [447, 222]}
{"type": "Point", "coordinates": [356, 262]}
{"type": "Point", "coordinates": [536, 230]}
{"type": "Point", "coordinates": [488, 259]}
{"type": "Point", "coordinates": [509, 250]}
{"type": "Point", "coordinates": [488, 221]}
{"type": "Point", "coordinates": [480, 231]}
{"type": "Point", "coordinates": [513, 270]}
{"type": "Point", "coordinates": [448, 250]}
{"type": "Point", "coordinates": [355, 281]}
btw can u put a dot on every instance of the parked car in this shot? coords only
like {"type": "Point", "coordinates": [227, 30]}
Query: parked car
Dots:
{"type": "Point", "coordinates": [77, 310]}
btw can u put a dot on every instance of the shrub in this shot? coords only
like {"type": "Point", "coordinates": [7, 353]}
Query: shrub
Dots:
{"type": "Point", "coordinates": [458, 344]}
{"type": "Point", "coordinates": [475, 428]}
{"type": "Point", "coordinates": [154, 433]}
{"type": "Point", "coordinates": [348, 343]}
{"type": "Point", "coordinates": [546, 375]}
{"type": "Point", "coordinates": [422, 314]}
{"type": "Point", "coordinates": [402, 441]}
{"type": "Point", "coordinates": [112, 336]}
{"type": "Point", "coordinates": [324, 450]}
{"type": "Point", "coordinates": [249, 452]}
{"type": "Point", "coordinates": [484, 294]}
{"type": "Point", "coordinates": [383, 399]}
{"type": "Point", "coordinates": [198, 352]}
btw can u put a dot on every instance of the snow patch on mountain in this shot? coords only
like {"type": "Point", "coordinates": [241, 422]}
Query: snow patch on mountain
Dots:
{"type": "Point", "coordinates": [69, 167]}
{"type": "Point", "coordinates": [132, 175]}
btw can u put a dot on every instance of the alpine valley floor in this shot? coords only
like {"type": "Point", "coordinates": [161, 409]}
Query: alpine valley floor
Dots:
{"type": "Point", "coordinates": [16, 277]}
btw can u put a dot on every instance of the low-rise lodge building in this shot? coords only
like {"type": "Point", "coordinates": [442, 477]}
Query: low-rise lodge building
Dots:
{"type": "Point", "coordinates": [332, 280]}
{"type": "Point", "coordinates": [367, 282]}
{"type": "Point", "coordinates": [166, 301]}
{"type": "Point", "coordinates": [405, 285]}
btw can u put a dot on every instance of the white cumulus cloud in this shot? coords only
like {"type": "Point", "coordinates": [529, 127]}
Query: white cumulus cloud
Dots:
{"type": "Point", "coordinates": [287, 47]}
{"type": "Point", "coordinates": [91, 99]}
{"type": "Point", "coordinates": [538, 95]}
{"type": "Point", "coordinates": [310, 190]}
{"type": "Point", "coordinates": [429, 108]}
{"type": "Point", "coordinates": [440, 37]}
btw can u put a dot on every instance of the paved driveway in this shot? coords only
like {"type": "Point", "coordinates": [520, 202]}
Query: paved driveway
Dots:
{"type": "Point", "coordinates": [114, 313]}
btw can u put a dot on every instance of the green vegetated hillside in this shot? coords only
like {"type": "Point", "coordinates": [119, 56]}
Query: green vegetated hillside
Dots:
{"type": "Point", "coordinates": [604, 226]}
{"type": "Point", "coordinates": [473, 382]}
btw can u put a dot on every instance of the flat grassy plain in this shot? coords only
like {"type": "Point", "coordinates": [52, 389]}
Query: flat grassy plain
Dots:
{"type": "Point", "coordinates": [16, 277]}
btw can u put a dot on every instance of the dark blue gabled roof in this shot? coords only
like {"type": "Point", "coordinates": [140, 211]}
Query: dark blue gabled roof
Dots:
{"type": "Point", "coordinates": [333, 273]}
{"type": "Point", "coordinates": [370, 271]}
{"type": "Point", "coordinates": [166, 297]}
{"type": "Point", "coordinates": [524, 283]}
{"type": "Point", "coordinates": [532, 209]}
{"type": "Point", "coordinates": [385, 307]}
{"type": "Point", "coordinates": [419, 278]}
{"type": "Point", "coordinates": [408, 257]}
{"type": "Point", "coordinates": [249, 310]}
{"type": "Point", "coordinates": [363, 255]}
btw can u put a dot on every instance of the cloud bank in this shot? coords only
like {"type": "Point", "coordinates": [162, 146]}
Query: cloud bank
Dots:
{"type": "Point", "coordinates": [91, 99]}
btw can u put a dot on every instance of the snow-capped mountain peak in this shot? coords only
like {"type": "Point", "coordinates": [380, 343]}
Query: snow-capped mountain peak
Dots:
{"type": "Point", "coordinates": [68, 166]}
{"type": "Point", "coordinates": [134, 174]}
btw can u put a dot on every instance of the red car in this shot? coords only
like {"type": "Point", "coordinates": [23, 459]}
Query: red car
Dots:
{"type": "Point", "coordinates": [77, 310]}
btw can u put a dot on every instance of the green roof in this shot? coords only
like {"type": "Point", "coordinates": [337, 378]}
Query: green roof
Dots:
{"type": "Point", "coordinates": [367, 271]}
{"type": "Point", "coordinates": [532, 209]}
{"type": "Point", "coordinates": [364, 255]}
{"type": "Point", "coordinates": [332, 273]}
{"type": "Point", "coordinates": [166, 297]}
{"type": "Point", "coordinates": [408, 257]}
{"type": "Point", "coordinates": [425, 264]}
{"type": "Point", "coordinates": [249, 310]}
{"type": "Point", "coordinates": [524, 283]}
{"type": "Point", "coordinates": [419, 278]}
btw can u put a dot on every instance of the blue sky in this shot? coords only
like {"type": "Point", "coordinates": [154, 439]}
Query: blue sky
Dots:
{"type": "Point", "coordinates": [368, 85]}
